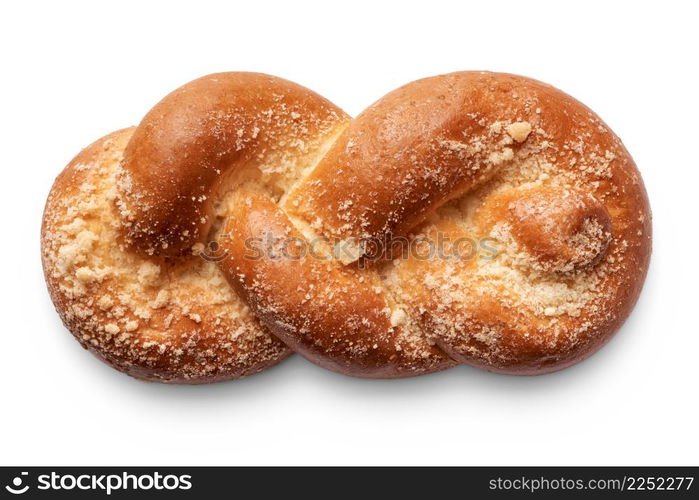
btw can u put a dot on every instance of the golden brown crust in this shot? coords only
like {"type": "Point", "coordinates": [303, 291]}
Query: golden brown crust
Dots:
{"type": "Point", "coordinates": [508, 164]}
{"type": "Point", "coordinates": [198, 140]}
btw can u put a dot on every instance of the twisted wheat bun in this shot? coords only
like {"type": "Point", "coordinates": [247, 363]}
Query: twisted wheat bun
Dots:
{"type": "Point", "coordinates": [264, 168]}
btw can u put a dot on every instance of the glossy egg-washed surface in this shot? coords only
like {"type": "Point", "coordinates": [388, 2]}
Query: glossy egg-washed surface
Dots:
{"type": "Point", "coordinates": [504, 162]}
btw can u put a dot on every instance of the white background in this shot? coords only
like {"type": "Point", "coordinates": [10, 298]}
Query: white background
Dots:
{"type": "Point", "coordinates": [73, 72]}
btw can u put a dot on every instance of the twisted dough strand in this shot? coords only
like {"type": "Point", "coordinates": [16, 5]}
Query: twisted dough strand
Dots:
{"type": "Point", "coordinates": [240, 157]}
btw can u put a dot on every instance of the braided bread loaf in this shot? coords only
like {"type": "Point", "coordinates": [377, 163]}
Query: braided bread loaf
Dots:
{"type": "Point", "coordinates": [246, 217]}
